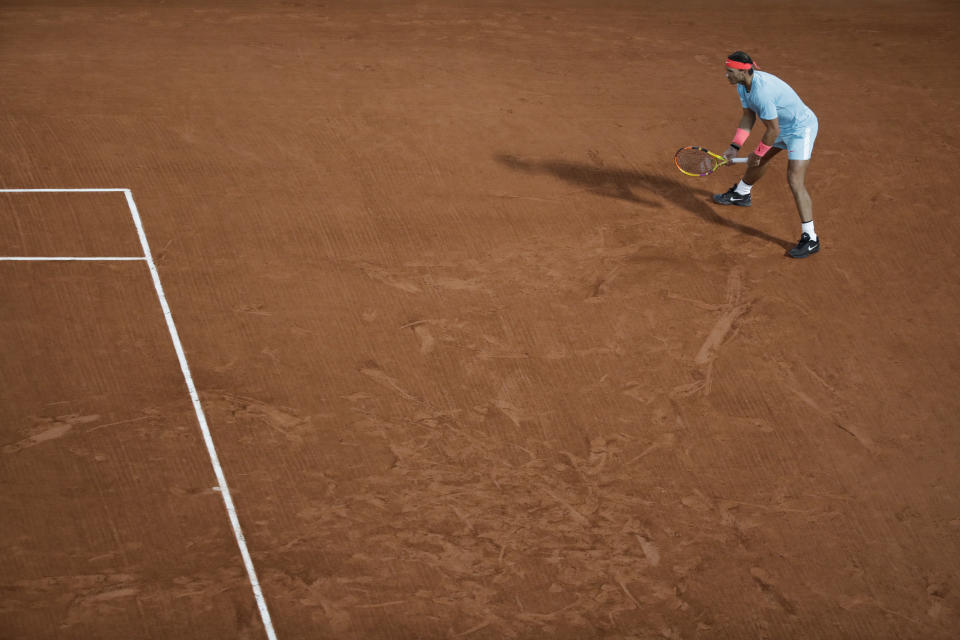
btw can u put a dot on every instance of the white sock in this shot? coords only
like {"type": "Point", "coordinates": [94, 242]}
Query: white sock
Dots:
{"type": "Point", "coordinates": [743, 188]}
{"type": "Point", "coordinates": [807, 228]}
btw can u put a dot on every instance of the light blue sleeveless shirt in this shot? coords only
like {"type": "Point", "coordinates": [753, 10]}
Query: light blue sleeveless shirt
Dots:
{"type": "Point", "coordinates": [770, 97]}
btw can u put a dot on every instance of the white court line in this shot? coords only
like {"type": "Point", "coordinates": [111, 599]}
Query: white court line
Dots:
{"type": "Point", "coordinates": [57, 190]}
{"type": "Point", "coordinates": [63, 258]}
{"type": "Point", "coordinates": [207, 438]}
{"type": "Point", "coordinates": [185, 368]}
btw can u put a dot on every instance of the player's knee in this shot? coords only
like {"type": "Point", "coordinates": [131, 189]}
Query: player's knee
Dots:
{"type": "Point", "coordinates": [795, 182]}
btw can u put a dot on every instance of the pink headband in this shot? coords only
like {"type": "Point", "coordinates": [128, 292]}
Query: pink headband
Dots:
{"type": "Point", "coordinates": [742, 66]}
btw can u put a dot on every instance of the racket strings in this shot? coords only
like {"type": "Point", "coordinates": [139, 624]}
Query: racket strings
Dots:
{"type": "Point", "coordinates": [696, 161]}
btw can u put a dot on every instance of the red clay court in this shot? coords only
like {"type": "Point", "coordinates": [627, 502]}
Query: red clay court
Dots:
{"type": "Point", "coordinates": [394, 320]}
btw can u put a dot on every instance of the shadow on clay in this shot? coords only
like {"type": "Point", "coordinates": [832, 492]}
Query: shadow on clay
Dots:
{"type": "Point", "coordinates": [622, 184]}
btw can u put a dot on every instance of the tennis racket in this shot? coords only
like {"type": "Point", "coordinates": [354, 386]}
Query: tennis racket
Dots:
{"type": "Point", "coordinates": [699, 162]}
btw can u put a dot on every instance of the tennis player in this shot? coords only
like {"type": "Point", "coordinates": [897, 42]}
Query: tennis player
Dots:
{"type": "Point", "coordinates": [790, 125]}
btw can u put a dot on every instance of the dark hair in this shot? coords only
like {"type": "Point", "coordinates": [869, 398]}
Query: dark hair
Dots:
{"type": "Point", "coordinates": [741, 56]}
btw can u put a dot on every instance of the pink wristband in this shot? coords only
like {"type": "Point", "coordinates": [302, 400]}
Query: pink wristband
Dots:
{"type": "Point", "coordinates": [761, 150]}
{"type": "Point", "coordinates": [741, 137]}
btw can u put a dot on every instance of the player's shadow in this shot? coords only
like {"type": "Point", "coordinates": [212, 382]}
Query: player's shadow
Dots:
{"type": "Point", "coordinates": [624, 185]}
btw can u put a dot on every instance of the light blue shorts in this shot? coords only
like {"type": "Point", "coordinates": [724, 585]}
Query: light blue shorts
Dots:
{"type": "Point", "coordinates": [799, 143]}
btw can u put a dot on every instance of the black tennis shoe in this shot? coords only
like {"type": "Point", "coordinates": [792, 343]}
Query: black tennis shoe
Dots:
{"type": "Point", "coordinates": [732, 197]}
{"type": "Point", "coordinates": [806, 247]}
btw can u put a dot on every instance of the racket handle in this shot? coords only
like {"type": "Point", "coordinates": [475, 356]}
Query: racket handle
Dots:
{"type": "Point", "coordinates": [738, 160]}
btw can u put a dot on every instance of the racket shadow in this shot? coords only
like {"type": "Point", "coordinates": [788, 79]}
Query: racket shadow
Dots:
{"type": "Point", "coordinates": [612, 182]}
